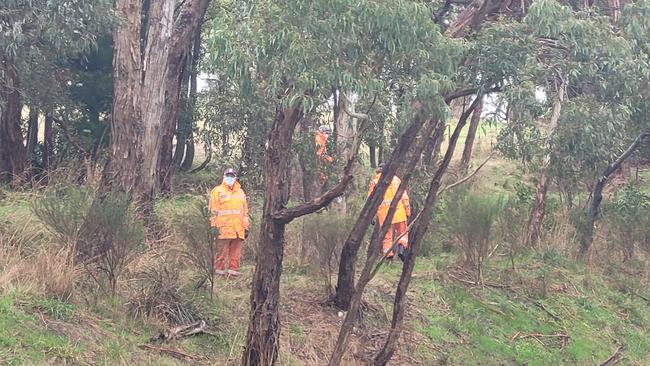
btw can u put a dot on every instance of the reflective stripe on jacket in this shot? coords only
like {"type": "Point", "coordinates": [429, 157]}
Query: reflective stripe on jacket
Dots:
{"type": "Point", "coordinates": [229, 211]}
{"type": "Point", "coordinates": [403, 206]}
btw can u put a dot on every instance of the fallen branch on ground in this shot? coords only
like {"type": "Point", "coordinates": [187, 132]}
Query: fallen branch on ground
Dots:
{"type": "Point", "coordinates": [174, 353]}
{"type": "Point", "coordinates": [564, 338]}
{"type": "Point", "coordinates": [615, 358]}
{"type": "Point", "coordinates": [199, 327]}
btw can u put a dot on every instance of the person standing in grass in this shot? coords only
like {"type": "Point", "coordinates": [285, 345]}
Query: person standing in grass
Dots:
{"type": "Point", "coordinates": [229, 209]}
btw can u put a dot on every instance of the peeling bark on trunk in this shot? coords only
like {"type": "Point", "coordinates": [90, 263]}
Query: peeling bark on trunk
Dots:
{"type": "Point", "coordinates": [123, 163]}
{"type": "Point", "coordinates": [263, 335]}
{"type": "Point", "coordinates": [537, 214]}
{"type": "Point", "coordinates": [469, 140]}
{"type": "Point", "coordinates": [183, 34]}
{"type": "Point", "coordinates": [146, 96]}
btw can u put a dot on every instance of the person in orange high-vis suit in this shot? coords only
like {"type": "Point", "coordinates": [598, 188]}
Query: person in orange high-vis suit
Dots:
{"type": "Point", "coordinates": [399, 223]}
{"type": "Point", "coordinates": [320, 138]}
{"type": "Point", "coordinates": [229, 210]}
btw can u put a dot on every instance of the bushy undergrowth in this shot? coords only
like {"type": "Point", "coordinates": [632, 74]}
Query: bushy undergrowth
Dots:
{"type": "Point", "coordinates": [98, 230]}
{"type": "Point", "coordinates": [192, 225]}
{"type": "Point", "coordinates": [472, 217]}
{"type": "Point", "coordinates": [627, 216]}
{"type": "Point", "coordinates": [324, 235]}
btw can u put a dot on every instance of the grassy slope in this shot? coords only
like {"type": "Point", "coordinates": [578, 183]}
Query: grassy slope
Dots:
{"type": "Point", "coordinates": [448, 322]}
{"type": "Point", "coordinates": [521, 320]}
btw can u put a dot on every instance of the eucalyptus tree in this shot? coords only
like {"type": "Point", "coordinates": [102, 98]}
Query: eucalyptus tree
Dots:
{"type": "Point", "coordinates": [37, 38]}
{"type": "Point", "coordinates": [635, 28]}
{"type": "Point", "coordinates": [583, 117]}
{"type": "Point", "coordinates": [147, 83]}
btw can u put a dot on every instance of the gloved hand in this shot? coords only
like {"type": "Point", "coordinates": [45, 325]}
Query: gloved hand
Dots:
{"type": "Point", "coordinates": [246, 232]}
{"type": "Point", "coordinates": [373, 222]}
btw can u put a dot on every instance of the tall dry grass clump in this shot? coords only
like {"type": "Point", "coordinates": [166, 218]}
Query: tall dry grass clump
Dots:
{"type": "Point", "coordinates": [102, 234]}
{"type": "Point", "coordinates": [29, 260]}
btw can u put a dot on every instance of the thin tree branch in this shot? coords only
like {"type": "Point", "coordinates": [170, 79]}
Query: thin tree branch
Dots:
{"type": "Point", "coordinates": [471, 91]}
{"type": "Point", "coordinates": [315, 204]}
{"type": "Point", "coordinates": [393, 246]}
{"type": "Point", "coordinates": [468, 177]}
{"type": "Point", "coordinates": [626, 154]}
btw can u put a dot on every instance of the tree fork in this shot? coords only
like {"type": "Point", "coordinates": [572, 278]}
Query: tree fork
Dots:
{"type": "Point", "coordinates": [538, 212]}
{"type": "Point", "coordinates": [368, 270]}
{"type": "Point", "coordinates": [415, 238]}
{"type": "Point", "coordinates": [587, 235]}
{"type": "Point", "coordinates": [345, 281]}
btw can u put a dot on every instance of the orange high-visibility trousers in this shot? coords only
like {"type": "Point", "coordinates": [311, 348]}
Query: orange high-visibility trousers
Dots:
{"type": "Point", "coordinates": [229, 249]}
{"type": "Point", "coordinates": [394, 232]}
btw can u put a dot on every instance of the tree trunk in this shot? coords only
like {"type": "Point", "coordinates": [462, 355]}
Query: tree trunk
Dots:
{"type": "Point", "coordinates": [32, 134]}
{"type": "Point", "coordinates": [183, 123]}
{"type": "Point", "coordinates": [188, 159]}
{"type": "Point", "coordinates": [432, 149]}
{"type": "Point", "coordinates": [346, 131]}
{"type": "Point", "coordinates": [13, 153]}
{"type": "Point", "coordinates": [368, 271]}
{"type": "Point", "coordinates": [263, 335]}
{"type": "Point", "coordinates": [587, 235]}
{"type": "Point", "coordinates": [48, 146]}
{"type": "Point", "coordinates": [182, 39]}
{"type": "Point", "coordinates": [146, 100]}
{"type": "Point", "coordinates": [345, 282]}
{"type": "Point", "coordinates": [124, 156]}
{"type": "Point", "coordinates": [373, 158]}
{"type": "Point", "coordinates": [469, 140]}
{"type": "Point", "coordinates": [370, 267]}
{"type": "Point", "coordinates": [534, 229]}
{"type": "Point", "coordinates": [415, 238]}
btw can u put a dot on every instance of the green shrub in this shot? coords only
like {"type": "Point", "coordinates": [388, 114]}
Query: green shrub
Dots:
{"type": "Point", "coordinates": [326, 233]}
{"type": "Point", "coordinates": [192, 225]}
{"type": "Point", "coordinates": [471, 218]}
{"type": "Point", "coordinates": [102, 231]}
{"type": "Point", "coordinates": [627, 215]}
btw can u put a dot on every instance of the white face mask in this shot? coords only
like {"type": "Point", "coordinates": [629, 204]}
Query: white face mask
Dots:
{"type": "Point", "coordinates": [229, 180]}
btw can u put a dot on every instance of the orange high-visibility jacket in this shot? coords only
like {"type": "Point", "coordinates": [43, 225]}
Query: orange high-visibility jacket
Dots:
{"type": "Point", "coordinates": [321, 147]}
{"type": "Point", "coordinates": [230, 211]}
{"type": "Point", "coordinates": [403, 206]}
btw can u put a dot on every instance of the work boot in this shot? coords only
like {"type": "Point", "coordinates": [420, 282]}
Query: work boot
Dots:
{"type": "Point", "coordinates": [400, 252]}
